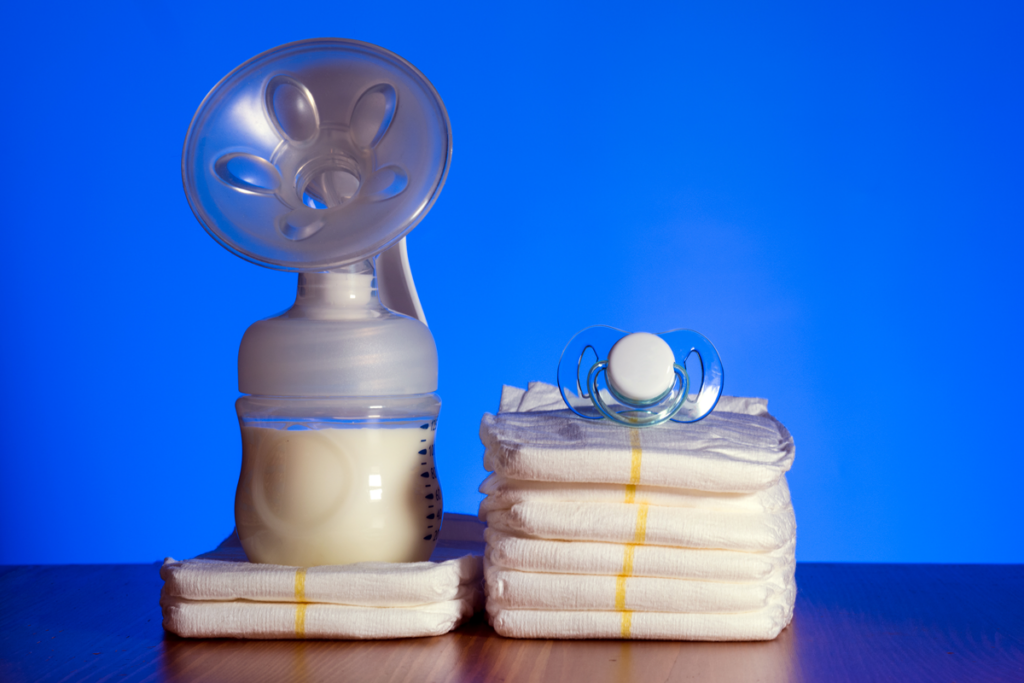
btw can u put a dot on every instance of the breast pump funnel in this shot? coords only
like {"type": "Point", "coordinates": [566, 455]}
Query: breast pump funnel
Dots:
{"type": "Point", "coordinates": [316, 157]}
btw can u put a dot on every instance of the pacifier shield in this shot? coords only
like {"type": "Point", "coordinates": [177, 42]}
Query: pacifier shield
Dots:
{"type": "Point", "coordinates": [648, 379]}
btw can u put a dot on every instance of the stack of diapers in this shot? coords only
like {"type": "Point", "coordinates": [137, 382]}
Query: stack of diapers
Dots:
{"type": "Point", "coordinates": [222, 595]}
{"type": "Point", "coordinates": [676, 532]}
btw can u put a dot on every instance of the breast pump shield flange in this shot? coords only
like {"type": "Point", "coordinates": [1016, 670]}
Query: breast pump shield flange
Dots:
{"type": "Point", "coordinates": [316, 154]}
{"type": "Point", "coordinates": [640, 379]}
{"type": "Point", "coordinates": [315, 157]}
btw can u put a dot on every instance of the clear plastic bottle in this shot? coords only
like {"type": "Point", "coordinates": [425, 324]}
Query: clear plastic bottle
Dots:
{"type": "Point", "coordinates": [338, 429]}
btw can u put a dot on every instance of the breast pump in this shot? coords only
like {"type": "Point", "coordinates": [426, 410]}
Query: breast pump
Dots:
{"type": "Point", "coordinates": [318, 157]}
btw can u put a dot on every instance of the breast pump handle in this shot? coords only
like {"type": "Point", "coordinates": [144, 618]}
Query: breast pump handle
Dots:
{"type": "Point", "coordinates": [394, 282]}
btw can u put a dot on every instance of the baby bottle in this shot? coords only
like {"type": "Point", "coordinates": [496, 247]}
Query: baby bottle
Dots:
{"type": "Point", "coordinates": [318, 157]}
{"type": "Point", "coordinates": [338, 425]}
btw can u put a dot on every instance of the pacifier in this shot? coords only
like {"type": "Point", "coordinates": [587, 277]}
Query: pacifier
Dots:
{"type": "Point", "coordinates": [640, 379]}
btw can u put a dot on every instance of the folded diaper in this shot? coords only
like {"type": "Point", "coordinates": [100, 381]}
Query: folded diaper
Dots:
{"type": "Point", "coordinates": [510, 589]}
{"type": "Point", "coordinates": [222, 595]}
{"type": "Point", "coordinates": [278, 620]}
{"type": "Point", "coordinates": [503, 493]}
{"type": "Point", "coordinates": [648, 524]}
{"type": "Point", "coordinates": [724, 452]}
{"type": "Point", "coordinates": [579, 557]}
{"type": "Point", "coordinates": [376, 584]}
{"type": "Point", "coordinates": [764, 624]}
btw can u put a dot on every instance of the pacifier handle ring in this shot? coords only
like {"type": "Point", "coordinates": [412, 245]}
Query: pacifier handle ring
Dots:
{"type": "Point", "coordinates": [696, 394]}
{"type": "Point", "coordinates": [579, 363]}
{"type": "Point", "coordinates": [657, 418]}
{"type": "Point", "coordinates": [573, 364]}
{"type": "Point", "coordinates": [705, 396]}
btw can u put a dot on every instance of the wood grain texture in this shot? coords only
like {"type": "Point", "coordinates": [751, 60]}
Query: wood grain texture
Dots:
{"type": "Point", "coordinates": [854, 622]}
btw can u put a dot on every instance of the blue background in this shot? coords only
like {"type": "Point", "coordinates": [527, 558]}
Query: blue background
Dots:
{"type": "Point", "coordinates": [831, 193]}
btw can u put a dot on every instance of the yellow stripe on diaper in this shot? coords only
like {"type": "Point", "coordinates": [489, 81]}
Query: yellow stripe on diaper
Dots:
{"type": "Point", "coordinates": [300, 598]}
{"type": "Point", "coordinates": [639, 534]}
{"type": "Point", "coordinates": [627, 623]}
{"type": "Point", "coordinates": [630, 494]}
{"type": "Point", "coordinates": [620, 581]}
{"type": "Point", "coordinates": [300, 584]}
{"type": "Point", "coordinates": [637, 455]}
{"type": "Point", "coordinates": [620, 593]}
{"type": "Point", "coordinates": [627, 560]}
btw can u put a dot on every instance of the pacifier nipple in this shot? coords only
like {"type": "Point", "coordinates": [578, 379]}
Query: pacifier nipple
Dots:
{"type": "Point", "coordinates": [640, 367]}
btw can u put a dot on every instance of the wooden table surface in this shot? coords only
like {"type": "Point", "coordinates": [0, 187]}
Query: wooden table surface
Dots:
{"type": "Point", "coordinates": [854, 622]}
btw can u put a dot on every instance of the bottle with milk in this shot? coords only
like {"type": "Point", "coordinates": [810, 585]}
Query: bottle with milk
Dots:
{"type": "Point", "coordinates": [317, 158]}
{"type": "Point", "coordinates": [338, 448]}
